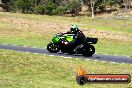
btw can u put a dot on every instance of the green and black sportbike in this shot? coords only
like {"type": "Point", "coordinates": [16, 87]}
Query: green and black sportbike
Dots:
{"type": "Point", "coordinates": [60, 40]}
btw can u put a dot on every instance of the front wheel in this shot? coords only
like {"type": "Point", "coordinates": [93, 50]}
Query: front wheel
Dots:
{"type": "Point", "coordinates": [51, 47]}
{"type": "Point", "coordinates": [88, 51]}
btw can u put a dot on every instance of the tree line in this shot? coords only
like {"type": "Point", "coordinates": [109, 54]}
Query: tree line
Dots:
{"type": "Point", "coordinates": [73, 7]}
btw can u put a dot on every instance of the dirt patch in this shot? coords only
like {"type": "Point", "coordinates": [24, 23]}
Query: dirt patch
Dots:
{"type": "Point", "coordinates": [107, 34]}
{"type": "Point", "coordinates": [27, 24]}
{"type": "Point", "coordinates": [31, 26]}
{"type": "Point", "coordinates": [43, 27]}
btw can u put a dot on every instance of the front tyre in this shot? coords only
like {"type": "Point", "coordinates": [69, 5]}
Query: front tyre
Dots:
{"type": "Point", "coordinates": [88, 51]}
{"type": "Point", "coordinates": [51, 47]}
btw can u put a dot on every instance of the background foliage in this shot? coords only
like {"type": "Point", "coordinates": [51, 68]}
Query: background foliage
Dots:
{"type": "Point", "coordinates": [73, 7]}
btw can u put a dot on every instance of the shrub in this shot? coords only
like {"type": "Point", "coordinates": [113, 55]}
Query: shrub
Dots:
{"type": "Point", "coordinates": [60, 10]}
{"type": "Point", "coordinates": [40, 9]}
{"type": "Point", "coordinates": [25, 6]}
{"type": "Point", "coordinates": [74, 6]}
{"type": "Point", "coordinates": [50, 8]}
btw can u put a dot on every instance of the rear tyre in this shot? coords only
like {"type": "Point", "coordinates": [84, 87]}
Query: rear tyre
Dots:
{"type": "Point", "coordinates": [51, 47]}
{"type": "Point", "coordinates": [88, 51]}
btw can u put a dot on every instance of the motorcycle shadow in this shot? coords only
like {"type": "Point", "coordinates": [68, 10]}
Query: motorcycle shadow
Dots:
{"type": "Point", "coordinates": [70, 54]}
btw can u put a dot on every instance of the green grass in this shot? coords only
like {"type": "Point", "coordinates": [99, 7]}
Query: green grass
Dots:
{"type": "Point", "coordinates": [30, 33]}
{"type": "Point", "coordinates": [33, 42]}
{"type": "Point", "coordinates": [114, 47]}
{"type": "Point", "coordinates": [84, 22]}
{"type": "Point", "coordinates": [23, 70]}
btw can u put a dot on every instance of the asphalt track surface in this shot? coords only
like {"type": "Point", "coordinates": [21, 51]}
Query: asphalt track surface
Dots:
{"type": "Point", "coordinates": [96, 57]}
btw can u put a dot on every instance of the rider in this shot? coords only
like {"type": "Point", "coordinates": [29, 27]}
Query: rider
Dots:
{"type": "Point", "coordinates": [78, 37]}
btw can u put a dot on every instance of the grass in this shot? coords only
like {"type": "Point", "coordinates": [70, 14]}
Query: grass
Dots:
{"type": "Point", "coordinates": [114, 47]}
{"type": "Point", "coordinates": [27, 70]}
{"type": "Point", "coordinates": [83, 22]}
{"type": "Point", "coordinates": [38, 30]}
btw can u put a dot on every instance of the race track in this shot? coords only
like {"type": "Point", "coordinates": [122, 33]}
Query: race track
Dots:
{"type": "Point", "coordinates": [96, 57]}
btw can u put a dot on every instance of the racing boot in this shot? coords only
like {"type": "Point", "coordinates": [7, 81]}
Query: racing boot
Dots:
{"type": "Point", "coordinates": [77, 50]}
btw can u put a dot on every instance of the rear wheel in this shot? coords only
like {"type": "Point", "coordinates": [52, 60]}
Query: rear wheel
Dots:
{"type": "Point", "coordinates": [51, 47]}
{"type": "Point", "coordinates": [88, 51]}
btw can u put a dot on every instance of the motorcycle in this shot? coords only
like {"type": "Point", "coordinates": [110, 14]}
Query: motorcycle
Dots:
{"type": "Point", "coordinates": [60, 43]}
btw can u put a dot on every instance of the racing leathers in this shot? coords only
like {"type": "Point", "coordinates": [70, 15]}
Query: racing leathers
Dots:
{"type": "Point", "coordinates": [78, 39]}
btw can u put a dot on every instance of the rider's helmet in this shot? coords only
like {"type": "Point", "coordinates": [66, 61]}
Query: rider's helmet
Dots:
{"type": "Point", "coordinates": [74, 29]}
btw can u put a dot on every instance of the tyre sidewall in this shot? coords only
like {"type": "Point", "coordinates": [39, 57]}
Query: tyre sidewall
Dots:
{"type": "Point", "coordinates": [50, 49]}
{"type": "Point", "coordinates": [86, 51]}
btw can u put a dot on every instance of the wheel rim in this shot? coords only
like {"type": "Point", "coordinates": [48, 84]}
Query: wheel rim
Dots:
{"type": "Point", "coordinates": [53, 47]}
{"type": "Point", "coordinates": [89, 51]}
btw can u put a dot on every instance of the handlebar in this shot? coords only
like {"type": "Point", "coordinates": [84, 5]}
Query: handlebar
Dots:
{"type": "Point", "coordinates": [60, 34]}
